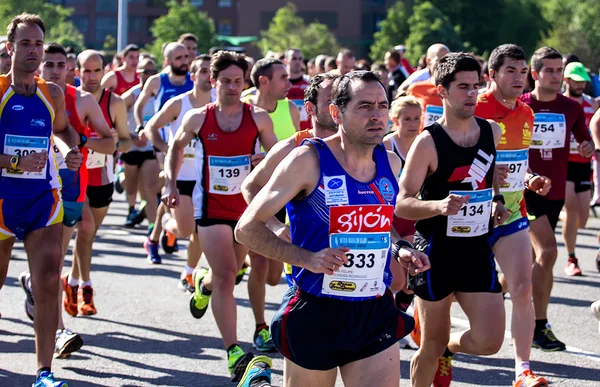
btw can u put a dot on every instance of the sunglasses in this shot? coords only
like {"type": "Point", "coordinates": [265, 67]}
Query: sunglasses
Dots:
{"type": "Point", "coordinates": [147, 72]}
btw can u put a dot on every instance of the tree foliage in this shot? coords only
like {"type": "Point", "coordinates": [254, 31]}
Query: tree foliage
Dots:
{"type": "Point", "coordinates": [393, 30]}
{"type": "Point", "coordinates": [182, 17]}
{"type": "Point", "coordinates": [287, 29]}
{"type": "Point", "coordinates": [59, 28]}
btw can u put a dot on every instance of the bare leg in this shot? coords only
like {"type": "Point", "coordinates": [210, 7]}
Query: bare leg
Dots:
{"type": "Point", "coordinates": [546, 252]}
{"type": "Point", "coordinates": [382, 369]}
{"type": "Point", "coordinates": [296, 376]}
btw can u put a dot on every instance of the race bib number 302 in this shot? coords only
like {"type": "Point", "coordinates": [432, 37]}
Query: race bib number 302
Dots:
{"type": "Point", "coordinates": [549, 131]}
{"type": "Point", "coordinates": [432, 114]}
{"type": "Point", "coordinates": [473, 219]}
{"type": "Point", "coordinates": [226, 174]}
{"type": "Point", "coordinates": [23, 146]}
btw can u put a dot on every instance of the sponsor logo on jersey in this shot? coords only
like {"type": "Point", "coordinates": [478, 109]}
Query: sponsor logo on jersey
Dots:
{"type": "Point", "coordinates": [461, 229]}
{"type": "Point", "coordinates": [212, 136]}
{"type": "Point", "coordinates": [361, 218]}
{"type": "Point", "coordinates": [342, 286]}
{"type": "Point", "coordinates": [475, 174]}
{"type": "Point", "coordinates": [387, 189]}
{"type": "Point", "coordinates": [38, 123]}
{"type": "Point", "coordinates": [18, 108]}
{"type": "Point", "coordinates": [222, 188]}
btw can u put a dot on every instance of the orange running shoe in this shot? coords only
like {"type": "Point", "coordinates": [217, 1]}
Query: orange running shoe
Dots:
{"type": "Point", "coordinates": [415, 334]}
{"type": "Point", "coordinates": [86, 301]}
{"type": "Point", "coordinates": [443, 375]}
{"type": "Point", "coordinates": [70, 299]}
{"type": "Point", "coordinates": [529, 379]}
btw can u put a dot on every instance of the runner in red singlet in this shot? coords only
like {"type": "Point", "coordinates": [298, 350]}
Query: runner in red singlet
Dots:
{"type": "Point", "coordinates": [299, 81]}
{"type": "Point", "coordinates": [125, 76]}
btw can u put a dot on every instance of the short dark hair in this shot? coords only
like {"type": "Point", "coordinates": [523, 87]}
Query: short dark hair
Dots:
{"type": "Point", "coordinates": [537, 59]}
{"type": "Point", "coordinates": [452, 63]}
{"type": "Point", "coordinates": [569, 58]}
{"type": "Point", "coordinates": [263, 67]}
{"type": "Point", "coordinates": [187, 36]}
{"type": "Point", "coordinates": [129, 48]}
{"type": "Point", "coordinates": [196, 62]}
{"type": "Point", "coordinates": [503, 52]}
{"type": "Point", "coordinates": [378, 66]}
{"type": "Point", "coordinates": [342, 94]}
{"type": "Point", "coordinates": [395, 56]}
{"type": "Point", "coordinates": [292, 49]}
{"type": "Point", "coordinates": [330, 62]}
{"type": "Point", "coordinates": [347, 52]}
{"type": "Point", "coordinates": [71, 56]}
{"type": "Point", "coordinates": [224, 59]}
{"type": "Point", "coordinates": [311, 93]}
{"type": "Point", "coordinates": [24, 18]}
{"type": "Point", "coordinates": [55, 48]}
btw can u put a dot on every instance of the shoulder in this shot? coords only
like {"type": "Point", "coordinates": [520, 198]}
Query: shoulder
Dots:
{"type": "Point", "coordinates": [55, 90]}
{"type": "Point", "coordinates": [131, 92]}
{"type": "Point", "coordinates": [153, 81]}
{"type": "Point", "coordinates": [424, 141]}
{"type": "Point", "coordinates": [526, 98]}
{"type": "Point", "coordinates": [395, 162]}
{"type": "Point", "coordinates": [115, 99]}
{"type": "Point", "coordinates": [111, 74]}
{"type": "Point", "coordinates": [387, 141]}
{"type": "Point", "coordinates": [260, 115]}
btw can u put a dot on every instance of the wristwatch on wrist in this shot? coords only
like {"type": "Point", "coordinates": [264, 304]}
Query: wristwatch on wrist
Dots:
{"type": "Point", "coordinates": [139, 128]}
{"type": "Point", "coordinates": [82, 140]}
{"type": "Point", "coordinates": [499, 198]}
{"type": "Point", "coordinates": [399, 245]}
{"type": "Point", "coordinates": [14, 162]}
{"type": "Point", "coordinates": [528, 178]}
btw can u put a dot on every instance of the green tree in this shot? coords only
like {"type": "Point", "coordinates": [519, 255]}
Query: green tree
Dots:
{"type": "Point", "coordinates": [110, 43]}
{"type": "Point", "coordinates": [287, 29]}
{"type": "Point", "coordinates": [428, 25]}
{"type": "Point", "coordinates": [182, 17]}
{"type": "Point", "coordinates": [59, 28]}
{"type": "Point", "coordinates": [393, 30]}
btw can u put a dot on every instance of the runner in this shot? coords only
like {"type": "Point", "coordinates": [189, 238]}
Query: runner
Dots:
{"type": "Point", "coordinates": [595, 129]}
{"type": "Point", "coordinates": [510, 241]}
{"type": "Point", "coordinates": [265, 270]}
{"type": "Point", "coordinates": [556, 117]}
{"type": "Point", "coordinates": [299, 82]}
{"type": "Point", "coordinates": [321, 183]}
{"type": "Point", "coordinates": [182, 223]}
{"type": "Point", "coordinates": [579, 170]}
{"type": "Point", "coordinates": [397, 74]}
{"type": "Point", "coordinates": [190, 41]}
{"type": "Point", "coordinates": [32, 120]}
{"type": "Point", "coordinates": [140, 168]}
{"type": "Point", "coordinates": [125, 76]}
{"type": "Point", "coordinates": [228, 131]}
{"type": "Point", "coordinates": [434, 53]}
{"type": "Point", "coordinates": [72, 78]}
{"type": "Point", "coordinates": [344, 61]}
{"type": "Point", "coordinates": [100, 182]}
{"type": "Point", "coordinates": [451, 164]}
{"type": "Point", "coordinates": [431, 103]}
{"type": "Point", "coordinates": [5, 60]}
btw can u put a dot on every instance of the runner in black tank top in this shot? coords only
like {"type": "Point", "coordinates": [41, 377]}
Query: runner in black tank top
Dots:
{"type": "Point", "coordinates": [452, 165]}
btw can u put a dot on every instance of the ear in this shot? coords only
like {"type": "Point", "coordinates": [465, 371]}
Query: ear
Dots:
{"type": "Point", "coordinates": [534, 75]}
{"type": "Point", "coordinates": [263, 80]}
{"type": "Point", "coordinates": [10, 48]}
{"type": "Point", "coordinates": [311, 109]}
{"type": "Point", "coordinates": [336, 113]}
{"type": "Point", "coordinates": [395, 120]}
{"type": "Point", "coordinates": [77, 73]}
{"type": "Point", "coordinates": [213, 82]}
{"type": "Point", "coordinates": [442, 92]}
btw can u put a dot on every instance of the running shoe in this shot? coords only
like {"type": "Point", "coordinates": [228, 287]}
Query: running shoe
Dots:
{"type": "Point", "coordinates": [415, 334]}
{"type": "Point", "coordinates": [152, 250]}
{"type": "Point", "coordinates": [46, 379]}
{"type": "Point", "coordinates": [546, 341]}
{"type": "Point", "coordinates": [25, 282]}
{"type": "Point", "coordinates": [237, 361]}
{"type": "Point", "coordinates": [598, 260]}
{"type": "Point", "coordinates": [529, 379]}
{"type": "Point", "coordinates": [118, 187]}
{"type": "Point", "coordinates": [258, 372]}
{"type": "Point", "coordinates": [596, 310]}
{"type": "Point", "coordinates": [70, 299]}
{"type": "Point", "coordinates": [130, 221]}
{"type": "Point", "coordinates": [263, 341]}
{"type": "Point", "coordinates": [168, 241]}
{"type": "Point", "coordinates": [187, 284]}
{"type": "Point", "coordinates": [572, 268]}
{"type": "Point", "coordinates": [240, 275]}
{"type": "Point", "coordinates": [443, 374]}
{"type": "Point", "coordinates": [66, 343]}
{"type": "Point", "coordinates": [141, 213]}
{"type": "Point", "coordinates": [199, 301]}
{"type": "Point", "coordinates": [86, 301]}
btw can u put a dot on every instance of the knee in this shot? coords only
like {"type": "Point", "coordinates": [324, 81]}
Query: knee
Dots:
{"type": "Point", "coordinates": [86, 230]}
{"type": "Point", "coordinates": [274, 279]}
{"type": "Point", "coordinates": [224, 279]}
{"type": "Point", "coordinates": [547, 256]}
{"type": "Point", "coordinates": [433, 348]}
{"type": "Point", "coordinates": [489, 341]}
{"type": "Point", "coordinates": [521, 291]}
{"type": "Point", "coordinates": [582, 219]}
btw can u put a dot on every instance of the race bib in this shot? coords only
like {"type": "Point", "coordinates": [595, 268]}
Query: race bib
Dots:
{"type": "Point", "coordinates": [517, 162]}
{"type": "Point", "coordinates": [365, 230]}
{"type": "Point", "coordinates": [95, 160]}
{"type": "Point", "coordinates": [60, 160]}
{"type": "Point", "coordinates": [300, 105]}
{"type": "Point", "coordinates": [22, 146]}
{"type": "Point", "coordinates": [574, 147]}
{"type": "Point", "coordinates": [226, 174]}
{"type": "Point", "coordinates": [473, 219]}
{"type": "Point", "coordinates": [549, 131]}
{"type": "Point", "coordinates": [432, 114]}
{"type": "Point", "coordinates": [189, 152]}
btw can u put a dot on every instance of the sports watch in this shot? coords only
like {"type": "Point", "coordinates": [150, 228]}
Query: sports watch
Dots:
{"type": "Point", "coordinates": [499, 198]}
{"type": "Point", "coordinates": [14, 161]}
{"type": "Point", "coordinates": [82, 140]}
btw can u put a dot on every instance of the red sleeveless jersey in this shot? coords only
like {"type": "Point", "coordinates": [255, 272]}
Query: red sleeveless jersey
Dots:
{"type": "Point", "coordinates": [296, 95]}
{"type": "Point", "coordinates": [77, 124]}
{"type": "Point", "coordinates": [222, 164]}
{"type": "Point", "coordinates": [122, 84]}
{"type": "Point", "coordinates": [100, 166]}
{"type": "Point", "coordinates": [574, 156]}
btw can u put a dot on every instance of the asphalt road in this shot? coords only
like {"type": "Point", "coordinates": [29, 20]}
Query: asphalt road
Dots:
{"type": "Point", "coordinates": [144, 335]}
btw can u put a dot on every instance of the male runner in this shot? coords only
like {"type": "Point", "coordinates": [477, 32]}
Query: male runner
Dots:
{"type": "Point", "coordinates": [579, 171]}
{"type": "Point", "coordinates": [595, 129]}
{"type": "Point", "coordinates": [228, 131]}
{"type": "Point", "coordinates": [434, 53]}
{"type": "Point", "coordinates": [340, 246]}
{"type": "Point", "coordinates": [5, 61]}
{"type": "Point", "coordinates": [556, 117]}
{"type": "Point", "coordinates": [318, 98]}
{"type": "Point", "coordinates": [182, 223]}
{"type": "Point", "coordinates": [190, 41]}
{"type": "Point", "coordinates": [125, 76]}
{"type": "Point", "coordinates": [72, 78]}
{"type": "Point", "coordinates": [100, 182]}
{"type": "Point", "coordinates": [32, 120]}
{"type": "Point", "coordinates": [451, 164]}
{"type": "Point", "coordinates": [397, 74]}
{"type": "Point", "coordinates": [299, 82]}
{"type": "Point", "coordinates": [345, 61]}
{"type": "Point", "coordinates": [510, 241]}
{"type": "Point", "coordinates": [140, 168]}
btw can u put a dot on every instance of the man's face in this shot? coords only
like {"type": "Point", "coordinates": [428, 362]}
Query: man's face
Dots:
{"type": "Point", "coordinates": [179, 61]}
{"type": "Point", "coordinates": [550, 75]}
{"type": "Point", "coordinates": [345, 63]}
{"type": "Point", "coordinates": [322, 115]}
{"type": "Point", "coordinates": [280, 84]}
{"type": "Point", "coordinates": [71, 67]}
{"type": "Point", "coordinates": [575, 88]}
{"type": "Point", "coordinates": [511, 77]}
{"type": "Point", "coordinates": [147, 70]}
{"type": "Point", "coordinates": [365, 117]}
{"type": "Point", "coordinates": [5, 60]}
{"type": "Point", "coordinates": [192, 50]}
{"type": "Point", "coordinates": [439, 54]}
{"type": "Point", "coordinates": [132, 59]}
{"type": "Point", "coordinates": [229, 85]}
{"type": "Point", "coordinates": [54, 68]}
{"type": "Point", "coordinates": [91, 73]}
{"type": "Point", "coordinates": [460, 98]}
{"type": "Point", "coordinates": [294, 61]}
{"type": "Point", "coordinates": [201, 77]}
{"type": "Point", "coordinates": [390, 64]}
{"type": "Point", "coordinates": [28, 48]}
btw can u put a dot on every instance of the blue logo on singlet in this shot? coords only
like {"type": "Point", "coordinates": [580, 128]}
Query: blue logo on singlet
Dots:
{"type": "Point", "coordinates": [387, 189]}
{"type": "Point", "coordinates": [335, 183]}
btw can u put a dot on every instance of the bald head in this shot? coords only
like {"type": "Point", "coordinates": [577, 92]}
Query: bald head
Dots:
{"type": "Point", "coordinates": [87, 55]}
{"type": "Point", "coordinates": [434, 53]}
{"type": "Point", "coordinates": [177, 58]}
{"type": "Point", "coordinates": [90, 68]}
{"type": "Point", "coordinates": [172, 48]}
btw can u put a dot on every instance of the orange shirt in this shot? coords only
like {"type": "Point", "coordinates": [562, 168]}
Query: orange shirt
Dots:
{"type": "Point", "coordinates": [431, 103]}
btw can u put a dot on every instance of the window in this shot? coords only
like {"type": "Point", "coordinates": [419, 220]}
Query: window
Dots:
{"type": "Point", "coordinates": [197, 3]}
{"type": "Point", "coordinates": [135, 23]}
{"type": "Point", "coordinates": [224, 3]}
{"type": "Point", "coordinates": [225, 27]}
{"type": "Point", "coordinates": [107, 5]}
{"type": "Point", "coordinates": [105, 25]}
{"type": "Point", "coordinates": [81, 23]}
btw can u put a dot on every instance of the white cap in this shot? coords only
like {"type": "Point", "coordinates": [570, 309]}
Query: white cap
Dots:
{"type": "Point", "coordinates": [400, 47]}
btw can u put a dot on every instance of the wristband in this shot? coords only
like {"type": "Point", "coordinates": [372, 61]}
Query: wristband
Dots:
{"type": "Point", "coordinates": [399, 245]}
{"type": "Point", "coordinates": [139, 128]}
{"type": "Point", "coordinates": [499, 198]}
{"type": "Point", "coordinates": [528, 178]}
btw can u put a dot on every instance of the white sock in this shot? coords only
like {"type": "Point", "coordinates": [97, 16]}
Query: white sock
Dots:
{"type": "Point", "coordinates": [87, 283]}
{"type": "Point", "coordinates": [73, 281]}
{"type": "Point", "coordinates": [188, 269]}
{"type": "Point", "coordinates": [520, 368]}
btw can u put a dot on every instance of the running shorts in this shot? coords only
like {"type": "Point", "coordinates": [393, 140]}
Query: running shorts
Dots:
{"type": "Point", "coordinates": [580, 174]}
{"type": "Point", "coordinates": [137, 158]}
{"type": "Point", "coordinates": [73, 212]}
{"type": "Point", "coordinates": [186, 187]}
{"type": "Point", "coordinates": [207, 222]}
{"type": "Point", "coordinates": [404, 227]}
{"type": "Point", "coordinates": [100, 196]}
{"type": "Point", "coordinates": [538, 206]}
{"type": "Point", "coordinates": [20, 216]}
{"type": "Point", "coordinates": [508, 229]}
